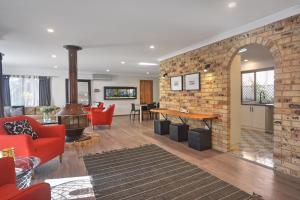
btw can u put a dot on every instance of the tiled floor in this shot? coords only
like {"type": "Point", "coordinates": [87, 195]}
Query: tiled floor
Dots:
{"type": "Point", "coordinates": [256, 146]}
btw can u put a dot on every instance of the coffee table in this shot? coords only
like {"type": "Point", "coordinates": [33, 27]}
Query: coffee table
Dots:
{"type": "Point", "coordinates": [48, 122]}
{"type": "Point", "coordinates": [24, 167]}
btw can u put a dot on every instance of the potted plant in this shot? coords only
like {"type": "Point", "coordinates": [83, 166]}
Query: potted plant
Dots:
{"type": "Point", "coordinates": [46, 110]}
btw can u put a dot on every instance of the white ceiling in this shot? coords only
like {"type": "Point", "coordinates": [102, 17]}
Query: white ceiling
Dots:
{"type": "Point", "coordinates": [256, 57]}
{"type": "Point", "coordinates": [112, 31]}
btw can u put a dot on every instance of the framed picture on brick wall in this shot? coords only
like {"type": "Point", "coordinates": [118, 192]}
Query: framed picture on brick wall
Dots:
{"type": "Point", "coordinates": [192, 81]}
{"type": "Point", "coordinates": [176, 83]}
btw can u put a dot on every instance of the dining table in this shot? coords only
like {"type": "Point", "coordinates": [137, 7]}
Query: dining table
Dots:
{"type": "Point", "coordinates": [140, 107]}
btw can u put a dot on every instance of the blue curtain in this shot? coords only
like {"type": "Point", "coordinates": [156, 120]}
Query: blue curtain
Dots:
{"type": "Point", "coordinates": [44, 91]}
{"type": "Point", "coordinates": [6, 90]}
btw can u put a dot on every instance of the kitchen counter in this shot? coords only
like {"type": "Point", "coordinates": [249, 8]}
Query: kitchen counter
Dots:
{"type": "Point", "coordinates": [257, 117]}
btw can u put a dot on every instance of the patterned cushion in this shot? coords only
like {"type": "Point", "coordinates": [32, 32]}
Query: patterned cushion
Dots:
{"type": "Point", "coordinates": [38, 111]}
{"type": "Point", "coordinates": [7, 111]}
{"type": "Point", "coordinates": [17, 110]}
{"type": "Point", "coordinates": [30, 110]}
{"type": "Point", "coordinates": [19, 128]}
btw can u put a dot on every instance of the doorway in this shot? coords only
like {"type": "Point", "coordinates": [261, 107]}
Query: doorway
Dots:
{"type": "Point", "coordinates": [84, 91]}
{"type": "Point", "coordinates": [252, 105]}
{"type": "Point", "coordinates": [146, 91]}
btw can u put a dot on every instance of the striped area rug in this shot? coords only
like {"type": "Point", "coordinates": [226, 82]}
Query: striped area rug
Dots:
{"type": "Point", "coordinates": [151, 173]}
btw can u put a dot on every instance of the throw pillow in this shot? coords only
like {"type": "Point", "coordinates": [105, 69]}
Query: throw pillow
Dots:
{"type": "Point", "coordinates": [7, 111]}
{"type": "Point", "coordinates": [19, 128]}
{"type": "Point", "coordinates": [17, 110]}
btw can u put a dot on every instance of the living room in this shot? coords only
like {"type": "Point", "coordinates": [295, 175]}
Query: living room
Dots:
{"type": "Point", "coordinates": [58, 84]}
{"type": "Point", "coordinates": [106, 100]}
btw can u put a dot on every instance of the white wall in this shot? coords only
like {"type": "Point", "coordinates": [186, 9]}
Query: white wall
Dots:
{"type": "Point", "coordinates": [58, 88]}
{"type": "Point", "coordinates": [123, 107]}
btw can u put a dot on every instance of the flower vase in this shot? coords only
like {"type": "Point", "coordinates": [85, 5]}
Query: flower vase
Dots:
{"type": "Point", "coordinates": [46, 117]}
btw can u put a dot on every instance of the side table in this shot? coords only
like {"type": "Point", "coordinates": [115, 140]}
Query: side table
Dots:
{"type": "Point", "coordinates": [24, 167]}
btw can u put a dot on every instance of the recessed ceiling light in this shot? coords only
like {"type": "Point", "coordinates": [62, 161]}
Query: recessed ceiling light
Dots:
{"type": "Point", "coordinates": [152, 47]}
{"type": "Point", "coordinates": [108, 70]}
{"type": "Point", "coordinates": [243, 50]}
{"type": "Point", "coordinates": [50, 30]}
{"type": "Point", "coordinates": [55, 66]}
{"type": "Point", "coordinates": [147, 64]}
{"type": "Point", "coordinates": [147, 72]}
{"type": "Point", "coordinates": [53, 56]}
{"type": "Point", "coordinates": [232, 4]}
{"type": "Point", "coordinates": [246, 60]}
{"type": "Point", "coordinates": [123, 62]}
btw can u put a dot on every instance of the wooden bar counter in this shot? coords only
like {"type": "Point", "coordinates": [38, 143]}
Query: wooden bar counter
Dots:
{"type": "Point", "coordinates": [205, 117]}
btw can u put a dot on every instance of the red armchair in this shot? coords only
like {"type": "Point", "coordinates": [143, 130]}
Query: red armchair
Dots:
{"type": "Point", "coordinates": [50, 143]}
{"type": "Point", "coordinates": [99, 107]}
{"type": "Point", "coordinates": [86, 108]}
{"type": "Point", "coordinates": [102, 117]}
{"type": "Point", "coordinates": [8, 189]}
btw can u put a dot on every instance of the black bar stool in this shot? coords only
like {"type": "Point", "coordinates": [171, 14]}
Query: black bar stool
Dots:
{"type": "Point", "coordinates": [179, 132]}
{"type": "Point", "coordinates": [199, 139]}
{"type": "Point", "coordinates": [161, 127]}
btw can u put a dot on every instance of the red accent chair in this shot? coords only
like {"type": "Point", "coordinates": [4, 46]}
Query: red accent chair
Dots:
{"type": "Point", "coordinates": [99, 107]}
{"type": "Point", "coordinates": [8, 189]}
{"type": "Point", "coordinates": [86, 108]}
{"type": "Point", "coordinates": [102, 117]}
{"type": "Point", "coordinates": [50, 143]}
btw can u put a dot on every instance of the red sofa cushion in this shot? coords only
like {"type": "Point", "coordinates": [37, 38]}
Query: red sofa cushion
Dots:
{"type": "Point", "coordinates": [8, 191]}
{"type": "Point", "coordinates": [46, 148]}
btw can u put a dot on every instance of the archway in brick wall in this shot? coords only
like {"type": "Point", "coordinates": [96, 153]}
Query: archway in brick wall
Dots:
{"type": "Point", "coordinates": [276, 56]}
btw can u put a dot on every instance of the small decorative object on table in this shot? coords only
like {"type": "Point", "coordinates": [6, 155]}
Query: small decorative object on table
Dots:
{"type": "Point", "coordinates": [183, 110]}
{"type": "Point", "coordinates": [46, 111]}
{"type": "Point", "coordinates": [8, 152]}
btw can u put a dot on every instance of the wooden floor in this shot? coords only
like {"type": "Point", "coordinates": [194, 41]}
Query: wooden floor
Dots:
{"type": "Point", "coordinates": [125, 134]}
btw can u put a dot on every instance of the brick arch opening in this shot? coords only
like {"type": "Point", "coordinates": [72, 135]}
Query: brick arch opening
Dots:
{"type": "Point", "coordinates": [272, 46]}
{"type": "Point", "coordinates": [274, 51]}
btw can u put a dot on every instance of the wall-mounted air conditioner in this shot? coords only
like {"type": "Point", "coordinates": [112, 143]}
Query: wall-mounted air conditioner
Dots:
{"type": "Point", "coordinates": [102, 77]}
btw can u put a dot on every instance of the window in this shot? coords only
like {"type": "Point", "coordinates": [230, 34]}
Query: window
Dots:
{"type": "Point", "coordinates": [24, 91]}
{"type": "Point", "coordinates": [258, 87]}
{"type": "Point", "coordinates": [84, 91]}
{"type": "Point", "coordinates": [248, 87]}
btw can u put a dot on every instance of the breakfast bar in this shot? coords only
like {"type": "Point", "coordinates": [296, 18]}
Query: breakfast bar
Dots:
{"type": "Point", "coordinates": [198, 138]}
{"type": "Point", "coordinates": [205, 117]}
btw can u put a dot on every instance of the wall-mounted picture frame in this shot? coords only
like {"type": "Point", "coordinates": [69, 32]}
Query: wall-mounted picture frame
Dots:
{"type": "Point", "coordinates": [176, 83]}
{"type": "Point", "coordinates": [119, 93]}
{"type": "Point", "coordinates": [192, 81]}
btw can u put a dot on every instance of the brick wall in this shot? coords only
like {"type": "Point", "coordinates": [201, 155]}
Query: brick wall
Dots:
{"type": "Point", "coordinates": [282, 38]}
